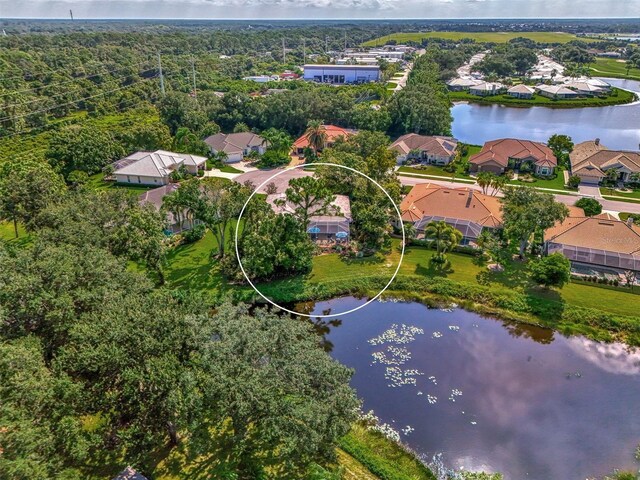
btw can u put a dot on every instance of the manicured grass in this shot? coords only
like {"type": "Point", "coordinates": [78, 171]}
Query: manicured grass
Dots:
{"type": "Point", "coordinates": [617, 97]}
{"type": "Point", "coordinates": [7, 235]}
{"type": "Point", "coordinates": [434, 170]}
{"type": "Point", "coordinates": [96, 182]}
{"type": "Point", "coordinates": [556, 183]}
{"type": "Point", "coordinates": [481, 37]}
{"type": "Point", "coordinates": [381, 457]}
{"type": "Point", "coordinates": [619, 199]}
{"type": "Point", "coordinates": [625, 215]}
{"type": "Point", "coordinates": [611, 192]}
{"type": "Point", "coordinates": [229, 169]}
{"type": "Point", "coordinates": [611, 67]}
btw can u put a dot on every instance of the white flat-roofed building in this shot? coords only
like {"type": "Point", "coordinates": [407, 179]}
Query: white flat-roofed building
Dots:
{"type": "Point", "coordinates": [342, 74]}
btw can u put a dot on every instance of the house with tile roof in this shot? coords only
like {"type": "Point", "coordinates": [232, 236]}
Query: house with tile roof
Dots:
{"type": "Point", "coordinates": [332, 224]}
{"type": "Point", "coordinates": [465, 209]}
{"type": "Point", "coordinates": [602, 243]}
{"type": "Point", "coordinates": [155, 168]}
{"type": "Point", "coordinates": [130, 474]}
{"type": "Point", "coordinates": [497, 156]}
{"type": "Point", "coordinates": [486, 89]}
{"type": "Point", "coordinates": [556, 91]}
{"type": "Point", "coordinates": [425, 149]}
{"type": "Point", "coordinates": [333, 134]}
{"type": "Point", "coordinates": [522, 91]}
{"type": "Point", "coordinates": [591, 161]}
{"type": "Point", "coordinates": [236, 145]}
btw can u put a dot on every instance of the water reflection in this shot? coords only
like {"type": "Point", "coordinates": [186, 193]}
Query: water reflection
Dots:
{"type": "Point", "coordinates": [617, 126]}
{"type": "Point", "coordinates": [490, 394]}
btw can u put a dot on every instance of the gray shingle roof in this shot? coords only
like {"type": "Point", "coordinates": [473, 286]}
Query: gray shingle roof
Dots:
{"type": "Point", "coordinates": [234, 142]}
{"type": "Point", "coordinates": [155, 164]}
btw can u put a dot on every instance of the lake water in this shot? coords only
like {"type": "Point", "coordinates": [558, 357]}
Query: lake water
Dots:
{"type": "Point", "coordinates": [490, 395]}
{"type": "Point", "coordinates": [618, 127]}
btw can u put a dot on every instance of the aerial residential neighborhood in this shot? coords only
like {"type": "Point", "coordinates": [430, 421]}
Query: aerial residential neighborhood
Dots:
{"type": "Point", "coordinates": [351, 247]}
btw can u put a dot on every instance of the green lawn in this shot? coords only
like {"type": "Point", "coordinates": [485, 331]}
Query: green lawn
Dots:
{"type": "Point", "coordinates": [190, 266]}
{"type": "Point", "coordinates": [617, 97]}
{"type": "Point", "coordinates": [7, 234]}
{"type": "Point", "coordinates": [611, 192]}
{"type": "Point", "coordinates": [482, 37]}
{"type": "Point", "coordinates": [96, 182]}
{"type": "Point", "coordinates": [615, 68]}
{"type": "Point", "coordinates": [433, 170]}
{"type": "Point", "coordinates": [625, 215]}
{"type": "Point", "coordinates": [556, 183]}
{"type": "Point", "coordinates": [229, 169]}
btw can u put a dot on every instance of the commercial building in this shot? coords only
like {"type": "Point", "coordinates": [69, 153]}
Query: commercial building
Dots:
{"type": "Point", "coordinates": [342, 74]}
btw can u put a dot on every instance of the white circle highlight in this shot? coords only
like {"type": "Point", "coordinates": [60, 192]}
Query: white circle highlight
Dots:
{"type": "Point", "coordinates": [305, 314]}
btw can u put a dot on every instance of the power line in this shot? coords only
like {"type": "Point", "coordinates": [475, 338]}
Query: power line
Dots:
{"type": "Point", "coordinates": [75, 101]}
{"type": "Point", "coordinates": [73, 79]}
{"type": "Point", "coordinates": [44, 98]}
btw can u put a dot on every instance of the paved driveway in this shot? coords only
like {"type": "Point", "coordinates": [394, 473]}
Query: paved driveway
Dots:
{"type": "Point", "coordinates": [257, 177]}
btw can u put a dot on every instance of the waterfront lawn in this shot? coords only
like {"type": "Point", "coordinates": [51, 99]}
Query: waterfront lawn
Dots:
{"type": "Point", "coordinates": [382, 457]}
{"type": "Point", "coordinates": [611, 67]}
{"type": "Point", "coordinates": [617, 97]}
{"type": "Point", "coordinates": [481, 37]}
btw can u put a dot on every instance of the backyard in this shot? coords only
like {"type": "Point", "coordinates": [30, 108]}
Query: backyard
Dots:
{"type": "Point", "coordinates": [190, 266]}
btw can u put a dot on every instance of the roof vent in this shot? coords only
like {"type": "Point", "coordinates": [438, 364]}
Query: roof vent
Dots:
{"type": "Point", "coordinates": [597, 141]}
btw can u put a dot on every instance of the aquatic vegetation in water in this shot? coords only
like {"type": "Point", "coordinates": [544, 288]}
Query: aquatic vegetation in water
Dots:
{"type": "Point", "coordinates": [432, 399]}
{"type": "Point", "coordinates": [408, 429]}
{"type": "Point", "coordinates": [393, 356]}
{"type": "Point", "coordinates": [398, 377]}
{"type": "Point", "coordinates": [398, 335]}
{"type": "Point", "coordinates": [455, 393]}
{"type": "Point", "coordinates": [436, 335]}
{"type": "Point", "coordinates": [454, 328]}
{"type": "Point", "coordinates": [433, 380]}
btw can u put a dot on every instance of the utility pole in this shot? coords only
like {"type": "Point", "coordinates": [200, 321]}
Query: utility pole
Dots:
{"type": "Point", "coordinates": [193, 73]}
{"type": "Point", "coordinates": [284, 52]}
{"type": "Point", "coordinates": [345, 40]}
{"type": "Point", "coordinates": [326, 43]}
{"type": "Point", "coordinates": [161, 76]}
{"type": "Point", "coordinates": [304, 51]}
{"type": "Point", "coordinates": [71, 14]}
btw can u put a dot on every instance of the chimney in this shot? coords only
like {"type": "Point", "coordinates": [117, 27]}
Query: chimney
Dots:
{"type": "Point", "coordinates": [630, 221]}
{"type": "Point", "coordinates": [597, 142]}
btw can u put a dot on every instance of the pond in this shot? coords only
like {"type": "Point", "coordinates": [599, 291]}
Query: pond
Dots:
{"type": "Point", "coordinates": [491, 395]}
{"type": "Point", "coordinates": [618, 127]}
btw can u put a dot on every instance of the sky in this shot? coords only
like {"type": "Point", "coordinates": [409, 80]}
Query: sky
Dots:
{"type": "Point", "coordinates": [319, 9]}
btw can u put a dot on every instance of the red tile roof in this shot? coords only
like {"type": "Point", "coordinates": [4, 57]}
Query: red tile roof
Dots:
{"type": "Point", "coordinates": [333, 133]}
{"type": "Point", "coordinates": [500, 151]}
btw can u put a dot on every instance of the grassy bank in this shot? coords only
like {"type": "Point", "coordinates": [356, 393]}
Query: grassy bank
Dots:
{"type": "Point", "coordinates": [481, 37]}
{"type": "Point", "coordinates": [382, 457]}
{"type": "Point", "coordinates": [617, 97]}
{"type": "Point", "coordinates": [614, 68]}
{"type": "Point", "coordinates": [579, 308]}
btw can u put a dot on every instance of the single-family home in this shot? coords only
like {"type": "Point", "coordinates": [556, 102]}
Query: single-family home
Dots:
{"type": "Point", "coordinates": [591, 161]}
{"type": "Point", "coordinates": [585, 89]}
{"type": "Point", "coordinates": [175, 222]}
{"type": "Point", "coordinates": [261, 78]}
{"type": "Point", "coordinates": [465, 209]}
{"type": "Point", "coordinates": [155, 168]}
{"type": "Point", "coordinates": [333, 224]}
{"type": "Point", "coordinates": [498, 155]}
{"type": "Point", "coordinates": [522, 91]}
{"type": "Point", "coordinates": [486, 89]}
{"type": "Point", "coordinates": [236, 145]}
{"type": "Point", "coordinates": [130, 474]}
{"type": "Point", "coordinates": [556, 91]}
{"type": "Point", "coordinates": [425, 149]}
{"type": "Point", "coordinates": [332, 132]}
{"type": "Point", "coordinates": [601, 243]}
{"type": "Point", "coordinates": [462, 84]}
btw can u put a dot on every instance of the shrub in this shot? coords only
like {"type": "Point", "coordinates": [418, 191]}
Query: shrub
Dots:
{"type": "Point", "coordinates": [574, 181]}
{"type": "Point", "coordinates": [551, 271]}
{"type": "Point", "coordinates": [195, 234]}
{"type": "Point", "coordinates": [590, 206]}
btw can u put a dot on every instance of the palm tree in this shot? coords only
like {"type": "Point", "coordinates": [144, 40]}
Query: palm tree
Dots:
{"type": "Point", "coordinates": [497, 184]}
{"type": "Point", "coordinates": [316, 135]}
{"type": "Point", "coordinates": [485, 179]}
{"type": "Point", "coordinates": [445, 238]}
